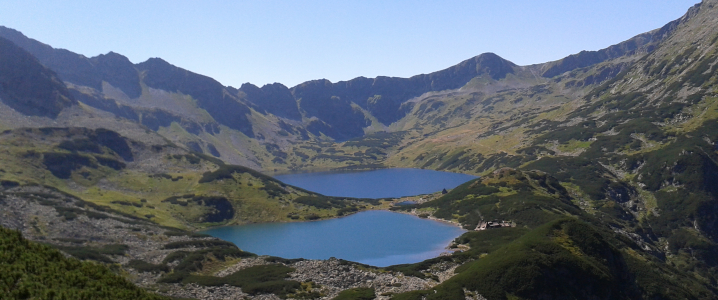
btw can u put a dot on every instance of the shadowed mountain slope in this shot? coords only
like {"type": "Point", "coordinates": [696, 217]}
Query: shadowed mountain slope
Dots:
{"type": "Point", "coordinates": [29, 87]}
{"type": "Point", "coordinates": [211, 95]}
{"type": "Point", "coordinates": [382, 96]}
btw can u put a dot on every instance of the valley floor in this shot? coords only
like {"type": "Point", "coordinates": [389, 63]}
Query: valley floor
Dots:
{"type": "Point", "coordinates": [145, 250]}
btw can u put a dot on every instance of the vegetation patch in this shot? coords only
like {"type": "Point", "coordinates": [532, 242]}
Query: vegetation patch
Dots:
{"type": "Point", "coordinates": [536, 264]}
{"type": "Point", "coordinates": [227, 171]}
{"type": "Point", "coordinates": [61, 165]}
{"type": "Point", "coordinates": [194, 261]}
{"type": "Point", "coordinates": [321, 202]}
{"type": "Point", "coordinates": [94, 253]}
{"type": "Point", "coordinates": [265, 279]}
{"type": "Point", "coordinates": [142, 266]}
{"type": "Point", "coordinates": [221, 209]}
{"type": "Point", "coordinates": [34, 271]}
{"type": "Point", "coordinates": [356, 294]}
{"type": "Point", "coordinates": [198, 243]}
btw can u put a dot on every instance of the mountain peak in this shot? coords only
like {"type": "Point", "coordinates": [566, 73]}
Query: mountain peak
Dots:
{"type": "Point", "coordinates": [274, 98]}
{"type": "Point", "coordinates": [119, 71]}
{"type": "Point", "coordinates": [492, 64]}
{"type": "Point", "coordinates": [112, 55]}
{"type": "Point", "coordinates": [154, 61]}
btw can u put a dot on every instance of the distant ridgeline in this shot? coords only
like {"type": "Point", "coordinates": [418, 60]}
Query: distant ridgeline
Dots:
{"type": "Point", "coordinates": [277, 127]}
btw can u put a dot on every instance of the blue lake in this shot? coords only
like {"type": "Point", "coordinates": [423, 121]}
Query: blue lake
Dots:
{"type": "Point", "coordinates": [378, 238]}
{"type": "Point", "coordinates": [383, 183]}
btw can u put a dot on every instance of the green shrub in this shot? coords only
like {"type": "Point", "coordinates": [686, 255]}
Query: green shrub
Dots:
{"type": "Point", "coordinates": [93, 253]}
{"type": "Point", "coordinates": [321, 202]}
{"type": "Point", "coordinates": [275, 259]}
{"type": "Point", "coordinates": [143, 266]}
{"type": "Point", "coordinates": [33, 271]}
{"type": "Point", "coordinates": [185, 233]}
{"type": "Point", "coordinates": [255, 280]}
{"type": "Point", "coordinates": [312, 217]}
{"type": "Point", "coordinates": [8, 184]}
{"type": "Point", "coordinates": [356, 294]}
{"type": "Point", "coordinates": [226, 171]}
{"type": "Point", "coordinates": [347, 210]}
{"type": "Point", "coordinates": [192, 261]}
{"type": "Point", "coordinates": [417, 269]}
{"type": "Point", "coordinates": [82, 145]}
{"type": "Point", "coordinates": [61, 165]}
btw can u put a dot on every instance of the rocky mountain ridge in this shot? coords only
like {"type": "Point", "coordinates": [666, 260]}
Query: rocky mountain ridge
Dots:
{"type": "Point", "coordinates": [274, 115]}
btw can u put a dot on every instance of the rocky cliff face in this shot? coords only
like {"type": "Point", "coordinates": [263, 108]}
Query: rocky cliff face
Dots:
{"type": "Point", "coordinates": [273, 98]}
{"type": "Point", "coordinates": [119, 72]}
{"type": "Point", "coordinates": [383, 96]}
{"type": "Point", "coordinates": [212, 96]}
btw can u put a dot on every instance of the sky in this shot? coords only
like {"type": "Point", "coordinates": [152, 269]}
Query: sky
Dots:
{"type": "Point", "coordinates": [295, 41]}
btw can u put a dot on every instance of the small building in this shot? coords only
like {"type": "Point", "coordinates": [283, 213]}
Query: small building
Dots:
{"type": "Point", "coordinates": [483, 225]}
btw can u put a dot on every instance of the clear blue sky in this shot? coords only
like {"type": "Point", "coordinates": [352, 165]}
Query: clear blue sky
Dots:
{"type": "Point", "coordinates": [294, 41]}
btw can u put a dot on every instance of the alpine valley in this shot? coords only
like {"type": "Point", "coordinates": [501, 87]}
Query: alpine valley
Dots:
{"type": "Point", "coordinates": [604, 162]}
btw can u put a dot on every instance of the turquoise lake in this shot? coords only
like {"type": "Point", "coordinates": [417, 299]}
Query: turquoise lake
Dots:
{"type": "Point", "coordinates": [382, 183]}
{"type": "Point", "coordinates": [377, 238]}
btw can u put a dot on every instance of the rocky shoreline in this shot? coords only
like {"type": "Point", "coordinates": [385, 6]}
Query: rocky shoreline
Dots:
{"type": "Point", "coordinates": [328, 278]}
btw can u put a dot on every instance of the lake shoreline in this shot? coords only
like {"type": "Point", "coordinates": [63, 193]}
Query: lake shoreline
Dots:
{"type": "Point", "coordinates": [379, 235]}
{"type": "Point", "coordinates": [385, 206]}
{"type": "Point", "coordinates": [376, 232]}
{"type": "Point", "coordinates": [377, 184]}
{"type": "Point", "coordinates": [392, 203]}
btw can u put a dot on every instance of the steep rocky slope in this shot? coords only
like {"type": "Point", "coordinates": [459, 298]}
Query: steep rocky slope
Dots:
{"type": "Point", "coordinates": [29, 87]}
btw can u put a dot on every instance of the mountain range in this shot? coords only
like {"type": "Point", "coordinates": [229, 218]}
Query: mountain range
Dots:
{"type": "Point", "coordinates": [157, 94]}
{"type": "Point", "coordinates": [607, 161]}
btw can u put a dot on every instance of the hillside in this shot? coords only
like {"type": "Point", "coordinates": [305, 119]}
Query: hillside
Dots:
{"type": "Point", "coordinates": [551, 250]}
{"type": "Point", "coordinates": [639, 149]}
{"type": "Point", "coordinates": [157, 181]}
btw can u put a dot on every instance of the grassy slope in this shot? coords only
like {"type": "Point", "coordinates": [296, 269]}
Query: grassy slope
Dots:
{"type": "Point", "coordinates": [163, 183]}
